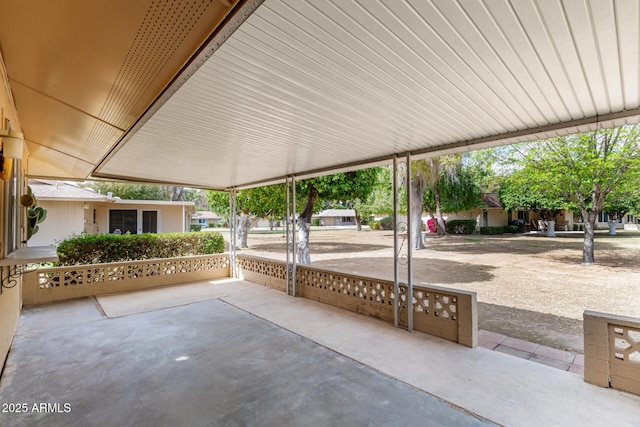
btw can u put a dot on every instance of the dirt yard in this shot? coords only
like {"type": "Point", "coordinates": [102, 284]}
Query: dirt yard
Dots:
{"type": "Point", "coordinates": [530, 287]}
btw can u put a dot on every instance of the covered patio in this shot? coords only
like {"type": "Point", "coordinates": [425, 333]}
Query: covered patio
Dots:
{"type": "Point", "coordinates": [228, 95]}
{"type": "Point", "coordinates": [230, 352]}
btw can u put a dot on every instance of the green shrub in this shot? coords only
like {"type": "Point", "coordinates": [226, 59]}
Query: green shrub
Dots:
{"type": "Point", "coordinates": [90, 249]}
{"type": "Point", "coordinates": [513, 229]}
{"type": "Point", "coordinates": [315, 221]}
{"type": "Point", "coordinates": [195, 227]}
{"type": "Point", "coordinates": [461, 226]}
{"type": "Point", "coordinates": [492, 230]}
{"type": "Point", "coordinates": [386, 223]}
{"type": "Point", "coordinates": [375, 225]}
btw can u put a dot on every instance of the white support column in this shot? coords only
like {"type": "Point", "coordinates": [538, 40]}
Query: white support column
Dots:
{"type": "Point", "coordinates": [295, 246]}
{"type": "Point", "coordinates": [409, 249]}
{"type": "Point", "coordinates": [288, 232]}
{"type": "Point", "coordinates": [402, 253]}
{"type": "Point", "coordinates": [396, 269]}
{"type": "Point", "coordinates": [233, 224]}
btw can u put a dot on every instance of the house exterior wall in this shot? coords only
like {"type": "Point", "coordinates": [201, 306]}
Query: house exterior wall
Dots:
{"type": "Point", "coordinates": [329, 221]}
{"type": "Point", "coordinates": [495, 217]}
{"type": "Point", "coordinates": [170, 219]}
{"type": "Point", "coordinates": [11, 299]}
{"type": "Point", "coordinates": [68, 218]}
{"type": "Point", "coordinates": [335, 220]}
{"type": "Point", "coordinates": [64, 219]}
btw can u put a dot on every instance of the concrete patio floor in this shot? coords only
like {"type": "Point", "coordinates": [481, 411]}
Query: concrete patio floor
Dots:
{"type": "Point", "coordinates": [235, 353]}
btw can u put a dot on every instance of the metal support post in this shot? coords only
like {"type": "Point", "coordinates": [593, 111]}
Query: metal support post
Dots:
{"type": "Point", "coordinates": [396, 272]}
{"type": "Point", "coordinates": [232, 233]}
{"type": "Point", "coordinates": [409, 250]}
{"type": "Point", "coordinates": [288, 233]}
{"type": "Point", "coordinates": [295, 246]}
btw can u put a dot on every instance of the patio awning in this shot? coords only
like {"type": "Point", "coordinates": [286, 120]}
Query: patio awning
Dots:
{"type": "Point", "coordinates": [305, 87]}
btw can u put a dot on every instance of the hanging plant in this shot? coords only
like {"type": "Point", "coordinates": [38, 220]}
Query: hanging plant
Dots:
{"type": "Point", "coordinates": [35, 214]}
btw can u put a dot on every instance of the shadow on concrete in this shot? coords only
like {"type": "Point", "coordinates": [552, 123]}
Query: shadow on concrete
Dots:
{"type": "Point", "coordinates": [566, 334]}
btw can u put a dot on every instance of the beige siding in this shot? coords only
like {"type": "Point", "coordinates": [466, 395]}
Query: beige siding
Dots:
{"type": "Point", "coordinates": [64, 219]}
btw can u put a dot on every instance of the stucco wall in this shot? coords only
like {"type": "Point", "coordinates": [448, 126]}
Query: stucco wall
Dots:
{"type": "Point", "coordinates": [495, 217]}
{"type": "Point", "coordinates": [169, 217]}
{"type": "Point", "coordinates": [10, 300]}
{"type": "Point", "coordinates": [64, 219]}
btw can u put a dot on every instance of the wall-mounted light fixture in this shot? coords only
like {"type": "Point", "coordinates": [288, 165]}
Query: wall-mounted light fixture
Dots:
{"type": "Point", "coordinates": [12, 142]}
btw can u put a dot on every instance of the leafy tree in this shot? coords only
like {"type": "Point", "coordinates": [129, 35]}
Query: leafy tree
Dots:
{"type": "Point", "coordinates": [431, 177]}
{"type": "Point", "coordinates": [354, 185]}
{"type": "Point", "coordinates": [130, 191]}
{"type": "Point", "coordinates": [261, 202]}
{"type": "Point", "coordinates": [620, 202]}
{"type": "Point", "coordinates": [354, 191]}
{"type": "Point", "coordinates": [585, 170]}
{"type": "Point", "coordinates": [457, 190]}
{"type": "Point", "coordinates": [518, 192]}
{"type": "Point", "coordinates": [380, 201]}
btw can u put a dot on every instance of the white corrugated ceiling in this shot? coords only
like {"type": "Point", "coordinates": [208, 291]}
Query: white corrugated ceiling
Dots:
{"type": "Point", "coordinates": [307, 86]}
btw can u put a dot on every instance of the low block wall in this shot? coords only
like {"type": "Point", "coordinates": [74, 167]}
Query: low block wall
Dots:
{"type": "Point", "coordinates": [612, 351]}
{"type": "Point", "coordinates": [46, 285]}
{"type": "Point", "coordinates": [263, 271]}
{"type": "Point", "coordinates": [443, 312]}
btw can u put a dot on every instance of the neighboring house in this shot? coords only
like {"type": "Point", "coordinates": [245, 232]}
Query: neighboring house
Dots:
{"type": "Point", "coordinates": [204, 218]}
{"type": "Point", "coordinates": [491, 214]}
{"type": "Point", "coordinates": [628, 222]}
{"type": "Point", "coordinates": [337, 217]}
{"type": "Point", "coordinates": [72, 210]}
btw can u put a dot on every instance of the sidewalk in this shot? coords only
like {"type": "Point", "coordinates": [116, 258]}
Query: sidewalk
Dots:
{"type": "Point", "coordinates": [559, 359]}
{"type": "Point", "coordinates": [499, 387]}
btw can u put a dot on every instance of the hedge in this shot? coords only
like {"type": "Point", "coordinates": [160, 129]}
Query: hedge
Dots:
{"type": "Point", "coordinates": [91, 249]}
{"type": "Point", "coordinates": [491, 230]}
{"type": "Point", "coordinates": [513, 229]}
{"type": "Point", "coordinates": [499, 230]}
{"type": "Point", "coordinates": [461, 226]}
{"type": "Point", "coordinates": [375, 225]}
{"type": "Point", "coordinates": [387, 223]}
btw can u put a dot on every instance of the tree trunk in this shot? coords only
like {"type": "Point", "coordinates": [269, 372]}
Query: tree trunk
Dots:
{"type": "Point", "coordinates": [358, 221]}
{"type": "Point", "coordinates": [588, 248]}
{"type": "Point", "coordinates": [243, 229]}
{"type": "Point", "coordinates": [442, 229]}
{"type": "Point", "coordinates": [417, 197]}
{"type": "Point", "coordinates": [304, 252]}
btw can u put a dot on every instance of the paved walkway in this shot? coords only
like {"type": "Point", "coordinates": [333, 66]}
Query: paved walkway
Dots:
{"type": "Point", "coordinates": [559, 359]}
{"type": "Point", "coordinates": [254, 356]}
